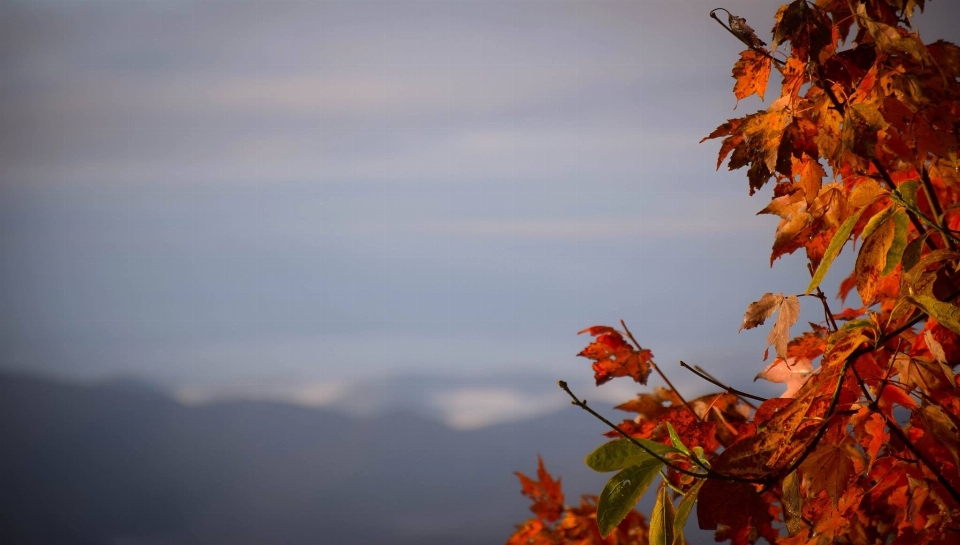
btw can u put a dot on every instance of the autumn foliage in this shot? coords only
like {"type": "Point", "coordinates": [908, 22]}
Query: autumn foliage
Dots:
{"type": "Point", "coordinates": [860, 148]}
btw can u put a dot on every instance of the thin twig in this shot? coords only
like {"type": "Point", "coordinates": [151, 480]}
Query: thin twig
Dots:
{"type": "Point", "coordinates": [659, 372]}
{"type": "Point", "coordinates": [828, 314]}
{"type": "Point", "coordinates": [708, 473]}
{"type": "Point", "coordinates": [886, 375]}
{"type": "Point", "coordinates": [936, 208]}
{"type": "Point", "coordinates": [835, 400]}
{"type": "Point", "coordinates": [760, 50]}
{"type": "Point", "coordinates": [895, 429]}
{"type": "Point", "coordinates": [706, 376]}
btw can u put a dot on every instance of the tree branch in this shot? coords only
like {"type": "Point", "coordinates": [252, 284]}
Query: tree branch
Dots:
{"type": "Point", "coordinates": [708, 473]}
{"type": "Point", "coordinates": [659, 372]}
{"type": "Point", "coordinates": [696, 370]}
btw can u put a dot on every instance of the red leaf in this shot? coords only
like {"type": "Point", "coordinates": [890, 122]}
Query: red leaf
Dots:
{"type": "Point", "coordinates": [613, 357]}
{"type": "Point", "coordinates": [729, 503]}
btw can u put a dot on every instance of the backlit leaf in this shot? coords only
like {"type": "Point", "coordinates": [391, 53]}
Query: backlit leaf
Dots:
{"type": "Point", "coordinates": [545, 492]}
{"type": "Point", "coordinates": [614, 357]}
{"type": "Point", "coordinates": [662, 518]}
{"type": "Point", "coordinates": [685, 508]}
{"type": "Point", "coordinates": [901, 229]}
{"type": "Point", "coordinates": [622, 492]}
{"type": "Point", "coordinates": [751, 73]}
{"type": "Point", "coordinates": [779, 336]}
{"type": "Point", "coordinates": [948, 314]}
{"type": "Point", "coordinates": [872, 259]}
{"type": "Point", "coordinates": [622, 453]}
{"type": "Point", "coordinates": [836, 243]}
{"type": "Point", "coordinates": [790, 371]}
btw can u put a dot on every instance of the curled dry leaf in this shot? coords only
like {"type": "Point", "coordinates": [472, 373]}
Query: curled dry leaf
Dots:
{"type": "Point", "coordinates": [792, 372]}
{"type": "Point", "coordinates": [743, 31]}
{"type": "Point", "coordinates": [779, 336]}
{"type": "Point", "coordinates": [759, 311]}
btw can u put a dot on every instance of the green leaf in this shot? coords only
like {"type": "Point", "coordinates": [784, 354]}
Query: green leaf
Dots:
{"type": "Point", "coordinates": [701, 455]}
{"type": "Point", "coordinates": [675, 439]}
{"type": "Point", "coordinates": [906, 194]}
{"type": "Point", "coordinates": [912, 254]}
{"type": "Point", "coordinates": [622, 453]}
{"type": "Point", "coordinates": [876, 221]}
{"type": "Point", "coordinates": [855, 324]}
{"type": "Point", "coordinates": [900, 230]}
{"type": "Point", "coordinates": [833, 249]}
{"type": "Point", "coordinates": [622, 492]}
{"type": "Point", "coordinates": [662, 530]}
{"type": "Point", "coordinates": [946, 313]}
{"type": "Point", "coordinates": [792, 503]}
{"type": "Point", "coordinates": [685, 507]}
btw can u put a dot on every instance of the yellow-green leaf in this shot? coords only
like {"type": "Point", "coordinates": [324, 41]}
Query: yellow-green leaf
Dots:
{"type": "Point", "coordinates": [662, 531]}
{"type": "Point", "coordinates": [947, 314]}
{"type": "Point", "coordinates": [876, 221]}
{"type": "Point", "coordinates": [675, 439]}
{"type": "Point", "coordinates": [833, 249]}
{"type": "Point", "coordinates": [906, 193]}
{"type": "Point", "coordinates": [623, 453]}
{"type": "Point", "coordinates": [622, 492]}
{"type": "Point", "coordinates": [900, 230]}
{"type": "Point", "coordinates": [911, 255]}
{"type": "Point", "coordinates": [684, 509]}
{"type": "Point", "coordinates": [792, 503]}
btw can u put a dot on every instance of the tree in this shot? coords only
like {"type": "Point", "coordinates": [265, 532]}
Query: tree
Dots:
{"type": "Point", "coordinates": [861, 148]}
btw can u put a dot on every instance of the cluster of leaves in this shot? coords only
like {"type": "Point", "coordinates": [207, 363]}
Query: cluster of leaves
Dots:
{"type": "Point", "coordinates": [863, 445]}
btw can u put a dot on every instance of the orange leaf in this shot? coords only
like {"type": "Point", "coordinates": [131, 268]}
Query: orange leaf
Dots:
{"type": "Point", "coordinates": [545, 492]}
{"type": "Point", "coordinates": [872, 260]}
{"type": "Point", "coordinates": [751, 72]}
{"type": "Point", "coordinates": [831, 467]}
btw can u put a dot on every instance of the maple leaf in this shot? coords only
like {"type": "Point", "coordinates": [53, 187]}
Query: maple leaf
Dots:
{"type": "Point", "coordinates": [614, 357]}
{"type": "Point", "coordinates": [731, 504]}
{"type": "Point", "coordinates": [795, 217]}
{"type": "Point", "coordinates": [831, 467]}
{"type": "Point", "coordinates": [545, 492]}
{"type": "Point", "coordinates": [866, 449]}
{"type": "Point", "coordinates": [751, 73]}
{"type": "Point", "coordinates": [790, 371]}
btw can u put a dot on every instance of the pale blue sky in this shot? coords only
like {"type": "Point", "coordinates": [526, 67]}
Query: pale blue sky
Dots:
{"type": "Point", "coordinates": [214, 194]}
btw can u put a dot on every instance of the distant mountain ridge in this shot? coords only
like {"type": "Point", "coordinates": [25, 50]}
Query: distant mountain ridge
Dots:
{"type": "Point", "coordinates": [123, 463]}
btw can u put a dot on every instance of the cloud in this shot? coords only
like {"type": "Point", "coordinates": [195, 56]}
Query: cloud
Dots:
{"type": "Point", "coordinates": [472, 408]}
{"type": "Point", "coordinates": [315, 394]}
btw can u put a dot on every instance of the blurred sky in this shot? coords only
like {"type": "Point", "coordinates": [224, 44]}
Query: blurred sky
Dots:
{"type": "Point", "coordinates": [245, 195]}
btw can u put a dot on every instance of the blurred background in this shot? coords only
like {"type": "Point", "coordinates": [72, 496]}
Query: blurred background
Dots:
{"type": "Point", "coordinates": [308, 271]}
